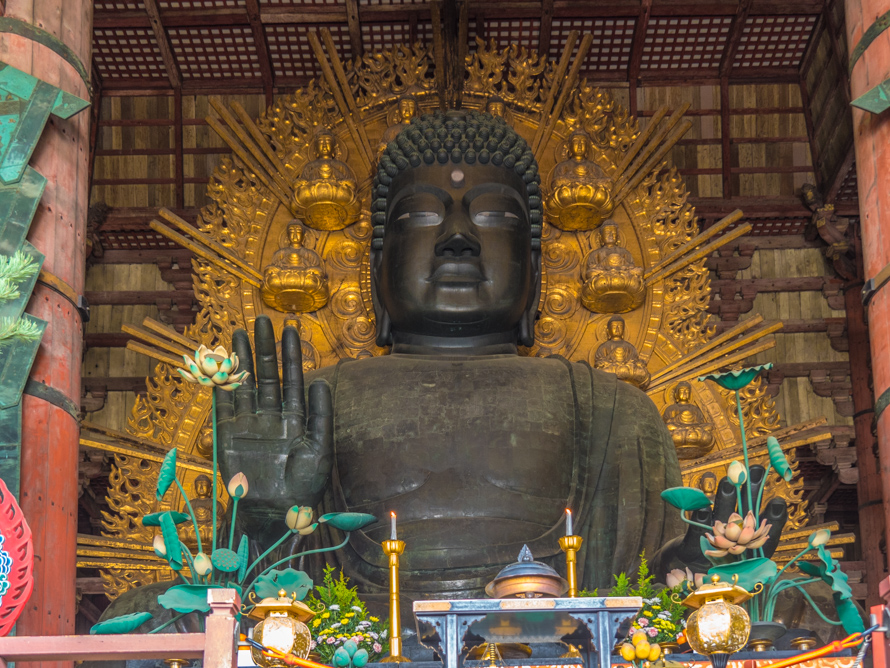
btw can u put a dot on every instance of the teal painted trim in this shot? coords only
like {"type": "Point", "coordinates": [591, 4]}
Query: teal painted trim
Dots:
{"type": "Point", "coordinates": [18, 204]}
{"type": "Point", "coordinates": [15, 307]}
{"type": "Point", "coordinates": [22, 85]}
{"type": "Point", "coordinates": [10, 445]}
{"type": "Point", "coordinates": [32, 32]}
{"type": "Point", "coordinates": [869, 36]}
{"type": "Point", "coordinates": [875, 101]}
{"type": "Point", "coordinates": [16, 358]}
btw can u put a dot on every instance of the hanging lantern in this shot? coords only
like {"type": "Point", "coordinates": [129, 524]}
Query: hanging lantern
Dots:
{"type": "Point", "coordinates": [718, 627]}
{"type": "Point", "coordinates": [282, 628]}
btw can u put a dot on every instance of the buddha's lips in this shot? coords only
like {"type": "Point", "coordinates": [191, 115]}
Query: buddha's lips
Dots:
{"type": "Point", "coordinates": [458, 271]}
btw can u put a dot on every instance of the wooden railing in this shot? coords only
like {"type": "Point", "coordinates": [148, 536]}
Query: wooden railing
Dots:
{"type": "Point", "coordinates": [217, 646]}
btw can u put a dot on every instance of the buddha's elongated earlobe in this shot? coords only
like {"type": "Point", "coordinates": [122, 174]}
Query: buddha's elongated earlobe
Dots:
{"type": "Point", "coordinates": [527, 322]}
{"type": "Point", "coordinates": [383, 321]}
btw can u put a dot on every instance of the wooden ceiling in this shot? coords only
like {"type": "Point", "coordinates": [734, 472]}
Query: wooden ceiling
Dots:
{"type": "Point", "coordinates": [262, 45]}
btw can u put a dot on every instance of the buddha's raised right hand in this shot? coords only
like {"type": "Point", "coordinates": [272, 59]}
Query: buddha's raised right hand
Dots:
{"type": "Point", "coordinates": [270, 432]}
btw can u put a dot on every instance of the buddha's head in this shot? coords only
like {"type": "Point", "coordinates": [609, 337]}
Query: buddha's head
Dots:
{"type": "Point", "coordinates": [683, 392]}
{"type": "Point", "coordinates": [202, 487]}
{"type": "Point", "coordinates": [609, 233]}
{"type": "Point", "coordinates": [496, 107]}
{"type": "Point", "coordinates": [295, 234]}
{"type": "Point", "coordinates": [708, 483]}
{"type": "Point", "coordinates": [324, 143]}
{"type": "Point", "coordinates": [456, 251]}
{"type": "Point", "coordinates": [579, 145]}
{"type": "Point", "coordinates": [615, 327]}
{"type": "Point", "coordinates": [407, 108]}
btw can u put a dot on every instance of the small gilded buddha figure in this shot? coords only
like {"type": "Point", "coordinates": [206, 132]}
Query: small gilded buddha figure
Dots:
{"type": "Point", "coordinates": [708, 484]}
{"type": "Point", "coordinates": [295, 280]}
{"type": "Point", "coordinates": [406, 110]}
{"type": "Point", "coordinates": [691, 432]}
{"type": "Point", "coordinates": [613, 283]}
{"type": "Point", "coordinates": [326, 194]}
{"type": "Point", "coordinates": [620, 357]}
{"type": "Point", "coordinates": [496, 106]}
{"type": "Point", "coordinates": [202, 504]}
{"type": "Point", "coordinates": [580, 192]}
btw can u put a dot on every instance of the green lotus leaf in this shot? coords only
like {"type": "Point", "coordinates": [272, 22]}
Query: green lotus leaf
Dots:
{"type": "Point", "coordinates": [778, 460]}
{"type": "Point", "coordinates": [834, 576]}
{"type": "Point", "coordinates": [167, 474]}
{"type": "Point", "coordinates": [190, 597]}
{"type": "Point", "coordinates": [686, 498]}
{"type": "Point", "coordinates": [347, 521]}
{"type": "Point", "coordinates": [154, 519]}
{"type": "Point", "coordinates": [243, 555]}
{"type": "Point", "coordinates": [736, 380]}
{"type": "Point", "coordinates": [171, 541]}
{"type": "Point", "coordinates": [849, 615]}
{"type": "Point", "coordinates": [360, 658]}
{"type": "Point", "coordinates": [225, 560]}
{"type": "Point", "coordinates": [292, 581]}
{"type": "Point", "coordinates": [750, 572]}
{"type": "Point", "coordinates": [813, 569]}
{"type": "Point", "coordinates": [122, 624]}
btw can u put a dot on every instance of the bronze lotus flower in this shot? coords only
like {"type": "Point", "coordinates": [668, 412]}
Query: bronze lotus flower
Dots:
{"type": "Point", "coordinates": [737, 535]}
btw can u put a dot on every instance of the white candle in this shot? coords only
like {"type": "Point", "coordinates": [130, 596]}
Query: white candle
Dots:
{"type": "Point", "coordinates": [392, 535]}
{"type": "Point", "coordinates": [568, 522]}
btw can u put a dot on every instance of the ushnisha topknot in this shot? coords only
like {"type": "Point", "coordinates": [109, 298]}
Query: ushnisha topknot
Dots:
{"type": "Point", "coordinates": [457, 136]}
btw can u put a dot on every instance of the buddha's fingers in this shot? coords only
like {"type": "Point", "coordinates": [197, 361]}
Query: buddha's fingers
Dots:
{"type": "Point", "coordinates": [320, 423]}
{"type": "Point", "coordinates": [245, 394]}
{"type": "Point", "coordinates": [776, 515]}
{"type": "Point", "coordinates": [292, 373]}
{"type": "Point", "coordinates": [725, 500]}
{"type": "Point", "coordinates": [268, 383]}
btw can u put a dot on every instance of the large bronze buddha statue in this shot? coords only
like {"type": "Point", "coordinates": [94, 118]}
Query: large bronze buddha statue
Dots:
{"type": "Point", "coordinates": [477, 449]}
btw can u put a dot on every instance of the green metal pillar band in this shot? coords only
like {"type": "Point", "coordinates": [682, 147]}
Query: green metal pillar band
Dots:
{"type": "Point", "coordinates": [882, 403]}
{"type": "Point", "coordinates": [869, 36]}
{"type": "Point", "coordinates": [16, 26]}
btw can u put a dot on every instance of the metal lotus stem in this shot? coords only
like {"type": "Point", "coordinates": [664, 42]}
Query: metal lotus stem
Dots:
{"type": "Point", "coordinates": [570, 545]}
{"type": "Point", "coordinates": [393, 548]}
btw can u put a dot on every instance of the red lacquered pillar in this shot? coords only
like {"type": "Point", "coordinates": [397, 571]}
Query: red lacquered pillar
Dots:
{"type": "Point", "coordinates": [50, 434]}
{"type": "Point", "coordinates": [872, 140]}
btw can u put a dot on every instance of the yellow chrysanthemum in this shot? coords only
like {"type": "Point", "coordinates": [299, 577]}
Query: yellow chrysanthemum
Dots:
{"type": "Point", "coordinates": [326, 615]}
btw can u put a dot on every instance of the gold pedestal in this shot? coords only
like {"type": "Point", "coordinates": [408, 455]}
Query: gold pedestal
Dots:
{"type": "Point", "coordinates": [392, 549]}
{"type": "Point", "coordinates": [570, 545]}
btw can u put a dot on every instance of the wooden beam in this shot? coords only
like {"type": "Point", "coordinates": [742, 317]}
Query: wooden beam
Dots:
{"type": "Point", "coordinates": [95, 117]}
{"type": "Point", "coordinates": [811, 132]}
{"type": "Point", "coordinates": [179, 186]}
{"type": "Point", "coordinates": [726, 153]}
{"type": "Point", "coordinates": [639, 42]}
{"type": "Point", "coordinates": [154, 17]}
{"type": "Point", "coordinates": [135, 384]}
{"type": "Point", "coordinates": [546, 27]}
{"type": "Point", "coordinates": [838, 180]}
{"type": "Point", "coordinates": [736, 30]}
{"type": "Point", "coordinates": [355, 28]}
{"type": "Point", "coordinates": [840, 56]}
{"type": "Point", "coordinates": [262, 47]}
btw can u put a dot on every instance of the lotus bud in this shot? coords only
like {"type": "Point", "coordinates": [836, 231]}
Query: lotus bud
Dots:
{"type": "Point", "coordinates": [159, 546]}
{"type": "Point", "coordinates": [202, 564]}
{"type": "Point", "coordinates": [298, 517]}
{"type": "Point", "coordinates": [675, 578]}
{"type": "Point", "coordinates": [238, 486]}
{"type": "Point", "coordinates": [737, 473]}
{"type": "Point", "coordinates": [819, 537]}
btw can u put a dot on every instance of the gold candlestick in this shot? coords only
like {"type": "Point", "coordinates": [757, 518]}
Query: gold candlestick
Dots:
{"type": "Point", "coordinates": [570, 545]}
{"type": "Point", "coordinates": [393, 548]}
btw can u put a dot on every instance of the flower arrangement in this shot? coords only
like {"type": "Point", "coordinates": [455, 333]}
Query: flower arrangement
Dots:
{"type": "Point", "coordinates": [341, 617]}
{"type": "Point", "coordinates": [740, 546]}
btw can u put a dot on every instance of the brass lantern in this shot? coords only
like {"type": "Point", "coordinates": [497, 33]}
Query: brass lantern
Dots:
{"type": "Point", "coordinates": [718, 627]}
{"type": "Point", "coordinates": [282, 628]}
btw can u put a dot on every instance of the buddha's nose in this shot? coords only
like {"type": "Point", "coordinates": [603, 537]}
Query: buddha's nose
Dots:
{"type": "Point", "coordinates": [457, 240]}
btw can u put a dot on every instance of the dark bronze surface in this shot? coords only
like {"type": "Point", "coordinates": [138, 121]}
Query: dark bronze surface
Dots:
{"type": "Point", "coordinates": [478, 449]}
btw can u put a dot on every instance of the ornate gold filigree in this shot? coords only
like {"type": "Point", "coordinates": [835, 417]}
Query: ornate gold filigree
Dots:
{"type": "Point", "coordinates": [653, 219]}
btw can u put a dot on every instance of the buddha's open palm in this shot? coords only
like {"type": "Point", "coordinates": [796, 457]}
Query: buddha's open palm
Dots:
{"type": "Point", "coordinates": [270, 431]}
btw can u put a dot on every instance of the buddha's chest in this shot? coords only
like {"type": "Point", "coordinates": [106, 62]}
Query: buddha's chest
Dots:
{"type": "Point", "coordinates": [436, 430]}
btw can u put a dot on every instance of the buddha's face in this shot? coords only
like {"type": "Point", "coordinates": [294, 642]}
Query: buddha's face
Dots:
{"type": "Point", "coordinates": [324, 145]}
{"type": "Point", "coordinates": [708, 483]}
{"type": "Point", "coordinates": [456, 258]}
{"type": "Point", "coordinates": [295, 235]}
{"type": "Point", "coordinates": [684, 393]}
{"type": "Point", "coordinates": [616, 329]}
{"type": "Point", "coordinates": [407, 109]}
{"type": "Point", "coordinates": [579, 146]}
{"type": "Point", "coordinates": [202, 487]}
{"type": "Point", "coordinates": [495, 108]}
{"type": "Point", "coordinates": [610, 235]}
